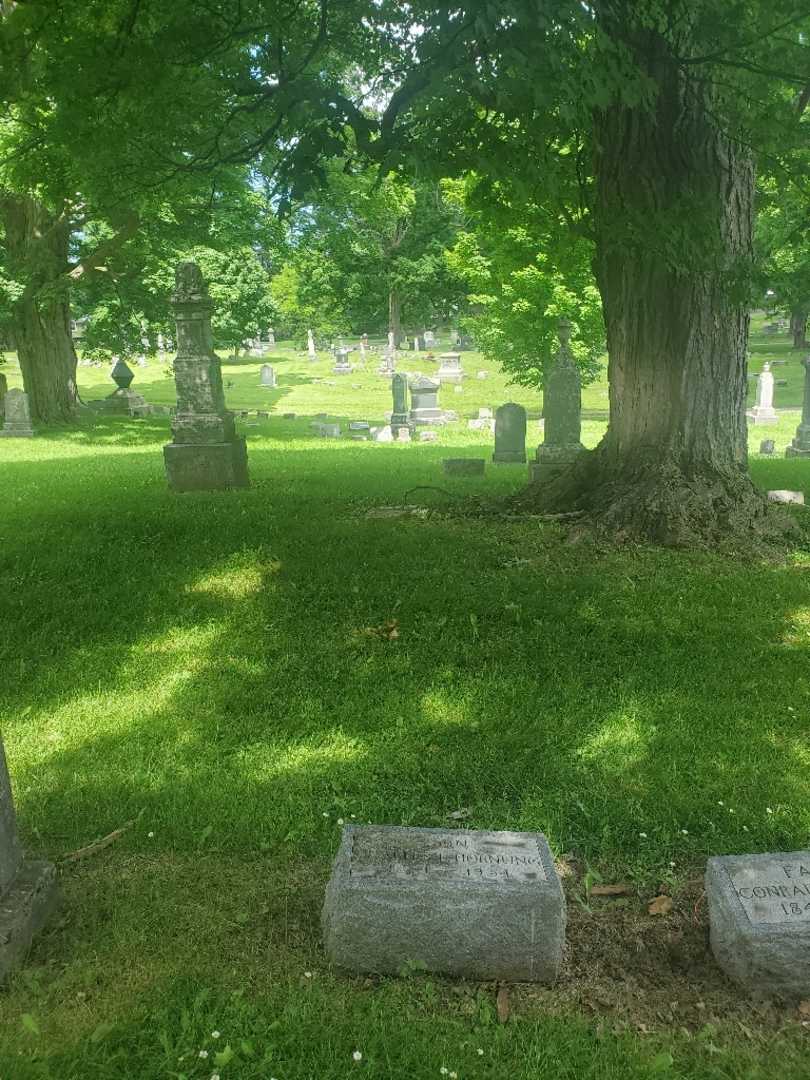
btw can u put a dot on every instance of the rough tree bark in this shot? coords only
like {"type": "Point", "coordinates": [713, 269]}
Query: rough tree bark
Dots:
{"type": "Point", "coordinates": [798, 328]}
{"type": "Point", "coordinates": [673, 222]}
{"type": "Point", "coordinates": [38, 255]}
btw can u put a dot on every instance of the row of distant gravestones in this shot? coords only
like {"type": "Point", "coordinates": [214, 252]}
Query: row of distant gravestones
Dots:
{"type": "Point", "coordinates": [474, 904]}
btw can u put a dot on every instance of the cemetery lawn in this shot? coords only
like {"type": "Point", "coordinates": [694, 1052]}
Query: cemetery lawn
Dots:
{"type": "Point", "coordinates": [228, 676]}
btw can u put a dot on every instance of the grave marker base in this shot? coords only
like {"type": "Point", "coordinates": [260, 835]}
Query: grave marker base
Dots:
{"type": "Point", "coordinates": [24, 908]}
{"type": "Point", "coordinates": [206, 466]}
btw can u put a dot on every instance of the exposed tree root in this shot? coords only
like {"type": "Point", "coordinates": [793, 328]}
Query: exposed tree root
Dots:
{"type": "Point", "coordinates": [659, 502]}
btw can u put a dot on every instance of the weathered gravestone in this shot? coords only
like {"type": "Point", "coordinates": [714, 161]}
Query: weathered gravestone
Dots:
{"type": "Point", "coordinates": [510, 433]}
{"type": "Point", "coordinates": [17, 416]}
{"type": "Point", "coordinates": [206, 453]}
{"type": "Point", "coordinates": [268, 376]}
{"type": "Point", "coordinates": [450, 370]}
{"type": "Point", "coordinates": [387, 364]}
{"type": "Point", "coordinates": [399, 392]}
{"type": "Point", "coordinates": [27, 887]}
{"type": "Point", "coordinates": [759, 921]}
{"type": "Point", "coordinates": [480, 905]}
{"type": "Point", "coordinates": [425, 402]}
{"type": "Point", "coordinates": [763, 412]}
{"type": "Point", "coordinates": [767, 446]}
{"type": "Point", "coordinates": [562, 406]}
{"type": "Point", "coordinates": [3, 390]}
{"type": "Point", "coordinates": [800, 447]}
{"type": "Point", "coordinates": [313, 355]}
{"type": "Point", "coordinates": [342, 365]}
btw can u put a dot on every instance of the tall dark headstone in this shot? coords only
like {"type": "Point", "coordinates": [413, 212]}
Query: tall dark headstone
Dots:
{"type": "Point", "coordinates": [27, 887]}
{"type": "Point", "coordinates": [510, 433]}
{"type": "Point", "coordinates": [3, 390]}
{"type": "Point", "coordinates": [399, 392]}
{"type": "Point", "coordinates": [562, 405]}
{"type": "Point", "coordinates": [206, 453]}
{"type": "Point", "coordinates": [800, 447]}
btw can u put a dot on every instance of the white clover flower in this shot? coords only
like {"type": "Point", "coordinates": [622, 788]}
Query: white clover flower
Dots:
{"type": "Point", "coordinates": [354, 816]}
{"type": "Point", "coordinates": [684, 832]}
{"type": "Point", "coordinates": [443, 1070]}
{"type": "Point", "coordinates": [672, 864]}
{"type": "Point", "coordinates": [325, 813]}
{"type": "Point", "coordinates": [730, 810]}
{"type": "Point", "coordinates": [340, 821]}
{"type": "Point", "coordinates": [150, 835]}
{"type": "Point", "coordinates": [480, 1052]}
{"type": "Point", "coordinates": [214, 1034]}
{"type": "Point", "coordinates": [745, 828]}
{"type": "Point", "coordinates": [453, 1076]}
{"type": "Point", "coordinates": [214, 1076]}
{"type": "Point", "coordinates": [643, 835]}
{"type": "Point", "coordinates": [720, 802]}
{"type": "Point", "coordinates": [203, 1054]}
{"type": "Point", "coordinates": [768, 810]}
{"type": "Point", "coordinates": [307, 974]}
{"type": "Point", "coordinates": [357, 1056]}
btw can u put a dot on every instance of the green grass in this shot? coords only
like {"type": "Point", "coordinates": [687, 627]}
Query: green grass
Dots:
{"type": "Point", "coordinates": [198, 663]}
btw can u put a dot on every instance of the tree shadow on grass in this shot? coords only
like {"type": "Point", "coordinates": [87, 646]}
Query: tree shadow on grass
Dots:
{"type": "Point", "coordinates": [593, 694]}
{"type": "Point", "coordinates": [220, 662]}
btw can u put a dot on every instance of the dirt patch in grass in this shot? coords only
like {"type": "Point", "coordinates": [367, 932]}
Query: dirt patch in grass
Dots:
{"type": "Point", "coordinates": [652, 973]}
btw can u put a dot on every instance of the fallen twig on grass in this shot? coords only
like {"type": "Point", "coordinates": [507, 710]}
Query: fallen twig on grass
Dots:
{"type": "Point", "coordinates": [100, 844]}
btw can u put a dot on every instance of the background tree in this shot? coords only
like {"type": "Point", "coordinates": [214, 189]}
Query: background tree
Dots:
{"type": "Point", "coordinates": [781, 241]}
{"type": "Point", "coordinates": [375, 247]}
{"type": "Point", "coordinates": [524, 271]}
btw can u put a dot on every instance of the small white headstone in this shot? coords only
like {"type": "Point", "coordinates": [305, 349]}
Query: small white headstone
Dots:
{"type": "Point", "coordinates": [763, 412]}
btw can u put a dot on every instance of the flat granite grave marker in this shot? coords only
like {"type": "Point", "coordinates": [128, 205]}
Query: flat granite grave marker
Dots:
{"type": "Point", "coordinates": [759, 920]}
{"type": "Point", "coordinates": [27, 887]}
{"type": "Point", "coordinates": [480, 905]}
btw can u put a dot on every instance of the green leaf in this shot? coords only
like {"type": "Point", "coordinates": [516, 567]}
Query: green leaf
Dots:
{"type": "Point", "coordinates": [29, 1022]}
{"type": "Point", "coordinates": [662, 1062]}
{"type": "Point", "coordinates": [224, 1057]}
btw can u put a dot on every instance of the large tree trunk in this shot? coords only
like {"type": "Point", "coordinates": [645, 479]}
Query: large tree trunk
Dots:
{"type": "Point", "coordinates": [798, 328]}
{"type": "Point", "coordinates": [394, 316]}
{"type": "Point", "coordinates": [673, 222]}
{"type": "Point", "coordinates": [38, 254]}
